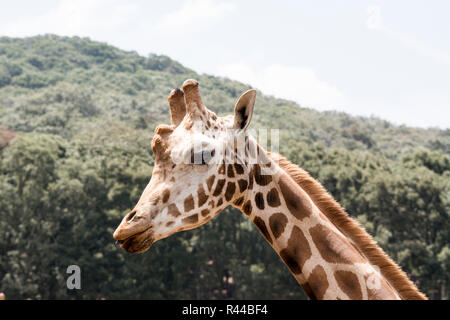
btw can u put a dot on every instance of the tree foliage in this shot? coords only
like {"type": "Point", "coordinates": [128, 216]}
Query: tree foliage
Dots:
{"type": "Point", "coordinates": [76, 121]}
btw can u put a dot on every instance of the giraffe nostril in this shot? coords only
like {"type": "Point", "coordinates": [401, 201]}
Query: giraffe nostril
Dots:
{"type": "Point", "coordinates": [130, 215]}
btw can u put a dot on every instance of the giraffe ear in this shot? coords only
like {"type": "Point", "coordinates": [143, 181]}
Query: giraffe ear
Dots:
{"type": "Point", "coordinates": [243, 110]}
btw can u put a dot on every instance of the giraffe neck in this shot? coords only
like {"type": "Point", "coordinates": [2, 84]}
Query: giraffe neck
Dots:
{"type": "Point", "coordinates": [321, 258]}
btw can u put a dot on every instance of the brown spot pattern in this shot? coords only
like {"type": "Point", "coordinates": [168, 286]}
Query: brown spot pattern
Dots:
{"type": "Point", "coordinates": [219, 202]}
{"type": "Point", "coordinates": [188, 203]}
{"type": "Point", "coordinates": [332, 247]}
{"type": "Point", "coordinates": [238, 202]}
{"type": "Point", "coordinates": [230, 172]}
{"type": "Point", "coordinates": [273, 199]}
{"type": "Point", "coordinates": [250, 180]}
{"type": "Point", "coordinates": [239, 168]}
{"type": "Point", "coordinates": [247, 207]}
{"type": "Point", "coordinates": [202, 197]}
{"type": "Point", "coordinates": [297, 251]}
{"type": "Point", "coordinates": [221, 169]}
{"type": "Point", "coordinates": [277, 223]}
{"type": "Point", "coordinates": [191, 219]}
{"type": "Point", "coordinates": [259, 200]}
{"type": "Point", "coordinates": [262, 180]}
{"type": "Point", "coordinates": [349, 284]}
{"type": "Point", "coordinates": [173, 210]}
{"type": "Point", "coordinates": [318, 282]}
{"type": "Point", "coordinates": [210, 182]}
{"type": "Point", "coordinates": [262, 227]}
{"type": "Point", "coordinates": [297, 202]}
{"type": "Point", "coordinates": [229, 192]}
{"type": "Point", "coordinates": [165, 195]}
{"type": "Point", "coordinates": [242, 185]}
{"type": "Point", "coordinates": [219, 187]}
{"type": "Point", "coordinates": [205, 212]}
{"type": "Point", "coordinates": [154, 199]}
{"type": "Point", "coordinates": [307, 288]}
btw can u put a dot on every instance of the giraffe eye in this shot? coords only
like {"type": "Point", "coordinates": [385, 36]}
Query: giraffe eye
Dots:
{"type": "Point", "coordinates": [203, 157]}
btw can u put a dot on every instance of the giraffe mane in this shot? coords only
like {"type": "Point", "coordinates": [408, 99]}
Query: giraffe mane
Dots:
{"type": "Point", "coordinates": [351, 228]}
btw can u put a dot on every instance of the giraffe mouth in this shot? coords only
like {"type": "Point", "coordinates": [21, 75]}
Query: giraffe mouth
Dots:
{"type": "Point", "coordinates": [139, 242]}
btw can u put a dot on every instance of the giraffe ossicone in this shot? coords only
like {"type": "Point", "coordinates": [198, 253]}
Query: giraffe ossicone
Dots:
{"type": "Point", "coordinates": [204, 163]}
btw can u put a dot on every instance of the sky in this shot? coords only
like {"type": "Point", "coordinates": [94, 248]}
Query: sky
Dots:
{"type": "Point", "coordinates": [389, 59]}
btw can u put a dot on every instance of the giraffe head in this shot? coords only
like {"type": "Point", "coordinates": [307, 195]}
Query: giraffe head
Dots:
{"type": "Point", "coordinates": [197, 172]}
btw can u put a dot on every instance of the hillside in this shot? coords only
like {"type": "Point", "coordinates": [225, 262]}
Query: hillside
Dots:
{"type": "Point", "coordinates": [76, 120]}
{"type": "Point", "coordinates": [87, 84]}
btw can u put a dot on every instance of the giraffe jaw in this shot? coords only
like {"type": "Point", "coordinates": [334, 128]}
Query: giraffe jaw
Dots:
{"type": "Point", "coordinates": [139, 242]}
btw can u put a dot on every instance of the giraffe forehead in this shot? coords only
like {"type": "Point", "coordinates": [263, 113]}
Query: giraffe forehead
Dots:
{"type": "Point", "coordinates": [208, 130]}
{"type": "Point", "coordinates": [183, 142]}
{"type": "Point", "coordinates": [209, 125]}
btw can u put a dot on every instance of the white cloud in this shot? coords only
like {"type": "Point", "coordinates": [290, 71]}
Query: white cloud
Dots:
{"type": "Point", "coordinates": [300, 84]}
{"type": "Point", "coordinates": [194, 14]}
{"type": "Point", "coordinates": [79, 17]}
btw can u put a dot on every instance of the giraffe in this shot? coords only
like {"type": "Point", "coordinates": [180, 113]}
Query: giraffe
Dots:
{"type": "Point", "coordinates": [204, 163]}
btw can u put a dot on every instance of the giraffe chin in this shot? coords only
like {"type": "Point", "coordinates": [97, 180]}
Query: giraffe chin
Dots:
{"type": "Point", "coordinates": [139, 242]}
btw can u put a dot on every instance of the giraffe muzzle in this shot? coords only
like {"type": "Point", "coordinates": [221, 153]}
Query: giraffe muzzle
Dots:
{"type": "Point", "coordinates": [137, 243]}
{"type": "Point", "coordinates": [135, 233]}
